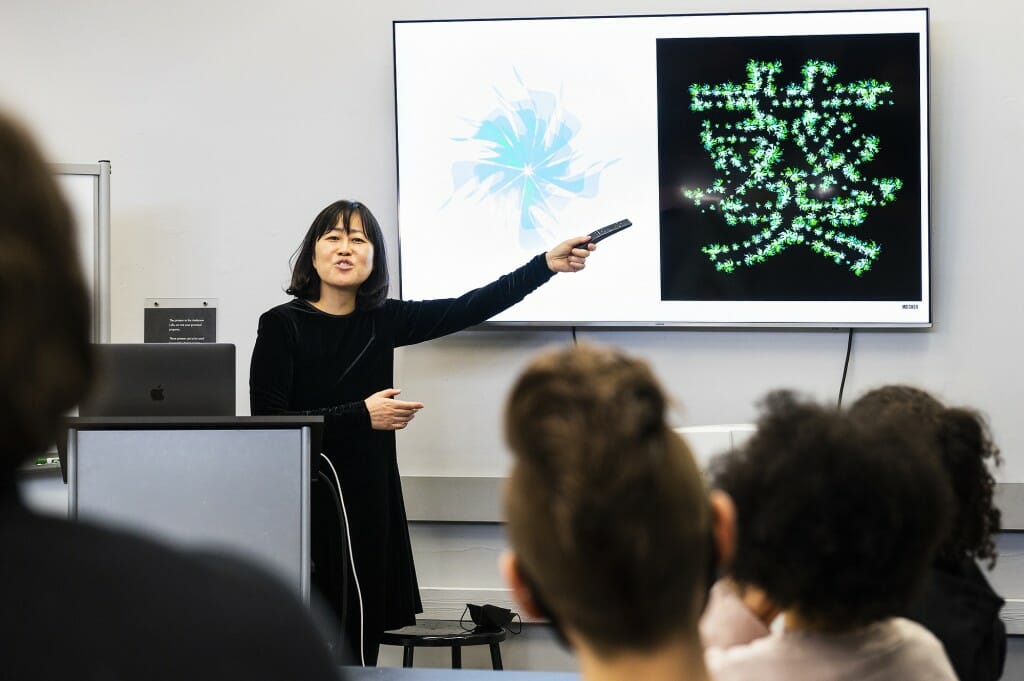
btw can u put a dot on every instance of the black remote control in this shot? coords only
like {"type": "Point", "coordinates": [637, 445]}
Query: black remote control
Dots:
{"type": "Point", "coordinates": [605, 232]}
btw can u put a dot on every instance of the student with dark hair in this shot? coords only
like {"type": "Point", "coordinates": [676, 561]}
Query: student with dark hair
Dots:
{"type": "Point", "coordinates": [330, 351]}
{"type": "Point", "coordinates": [78, 601]}
{"type": "Point", "coordinates": [837, 522]}
{"type": "Point", "coordinates": [613, 535]}
{"type": "Point", "coordinates": [957, 603]}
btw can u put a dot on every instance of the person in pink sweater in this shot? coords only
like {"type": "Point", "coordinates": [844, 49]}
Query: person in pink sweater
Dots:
{"type": "Point", "coordinates": [837, 522]}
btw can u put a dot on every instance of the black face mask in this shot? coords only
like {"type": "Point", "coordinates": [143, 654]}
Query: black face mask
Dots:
{"type": "Point", "coordinates": [540, 604]}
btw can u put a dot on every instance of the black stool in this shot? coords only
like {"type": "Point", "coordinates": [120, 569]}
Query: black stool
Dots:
{"type": "Point", "coordinates": [439, 634]}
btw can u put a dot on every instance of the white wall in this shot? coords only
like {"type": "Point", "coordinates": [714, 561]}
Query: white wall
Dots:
{"type": "Point", "coordinates": [229, 124]}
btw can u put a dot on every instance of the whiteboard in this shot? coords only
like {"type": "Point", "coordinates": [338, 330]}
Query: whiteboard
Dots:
{"type": "Point", "coordinates": [86, 187]}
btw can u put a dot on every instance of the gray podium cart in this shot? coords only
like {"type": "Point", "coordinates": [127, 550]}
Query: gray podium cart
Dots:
{"type": "Point", "coordinates": [235, 484]}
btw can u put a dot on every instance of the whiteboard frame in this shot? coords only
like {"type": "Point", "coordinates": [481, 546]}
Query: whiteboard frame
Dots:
{"type": "Point", "coordinates": [100, 255]}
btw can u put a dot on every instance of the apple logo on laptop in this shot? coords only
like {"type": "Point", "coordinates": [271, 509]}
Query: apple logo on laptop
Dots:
{"type": "Point", "coordinates": [157, 393]}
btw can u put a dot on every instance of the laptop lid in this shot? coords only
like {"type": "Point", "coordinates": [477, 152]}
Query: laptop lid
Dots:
{"type": "Point", "coordinates": [162, 379]}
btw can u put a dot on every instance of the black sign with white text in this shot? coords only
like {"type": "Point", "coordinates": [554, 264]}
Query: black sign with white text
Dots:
{"type": "Point", "coordinates": [181, 325]}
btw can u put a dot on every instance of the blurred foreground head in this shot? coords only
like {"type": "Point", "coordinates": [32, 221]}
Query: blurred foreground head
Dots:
{"type": "Point", "coordinates": [607, 513]}
{"type": "Point", "coordinates": [45, 361]}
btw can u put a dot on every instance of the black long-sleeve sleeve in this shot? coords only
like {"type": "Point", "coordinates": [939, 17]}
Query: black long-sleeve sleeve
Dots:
{"type": "Point", "coordinates": [418, 321]}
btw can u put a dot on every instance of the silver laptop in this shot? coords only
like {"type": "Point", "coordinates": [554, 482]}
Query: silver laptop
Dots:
{"type": "Point", "coordinates": [162, 379]}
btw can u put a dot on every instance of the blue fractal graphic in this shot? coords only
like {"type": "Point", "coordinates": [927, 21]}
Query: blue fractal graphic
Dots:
{"type": "Point", "coordinates": [525, 154]}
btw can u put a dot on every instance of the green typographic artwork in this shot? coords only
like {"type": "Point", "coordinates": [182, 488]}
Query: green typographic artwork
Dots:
{"type": "Point", "coordinates": [789, 162]}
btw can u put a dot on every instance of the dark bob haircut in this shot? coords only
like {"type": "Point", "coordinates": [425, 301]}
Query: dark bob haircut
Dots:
{"type": "Point", "coordinates": [964, 446]}
{"type": "Point", "coordinates": [306, 282]}
{"type": "Point", "coordinates": [836, 520]}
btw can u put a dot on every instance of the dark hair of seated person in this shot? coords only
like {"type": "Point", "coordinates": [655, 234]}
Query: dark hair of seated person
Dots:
{"type": "Point", "coordinates": [81, 600]}
{"type": "Point", "coordinates": [606, 510]}
{"type": "Point", "coordinates": [965, 448]}
{"type": "Point", "coordinates": [45, 357]}
{"type": "Point", "coordinates": [836, 521]}
{"type": "Point", "coordinates": [958, 604]}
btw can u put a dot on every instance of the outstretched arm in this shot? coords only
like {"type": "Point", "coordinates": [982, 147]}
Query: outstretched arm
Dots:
{"type": "Point", "coordinates": [418, 321]}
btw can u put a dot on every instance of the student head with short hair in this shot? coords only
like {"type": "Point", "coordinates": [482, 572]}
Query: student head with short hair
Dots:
{"type": "Point", "coordinates": [837, 522]}
{"type": "Point", "coordinates": [958, 604]}
{"type": "Point", "coordinates": [613, 534]}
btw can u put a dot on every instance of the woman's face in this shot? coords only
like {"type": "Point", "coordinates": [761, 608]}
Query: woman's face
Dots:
{"type": "Point", "coordinates": [344, 260]}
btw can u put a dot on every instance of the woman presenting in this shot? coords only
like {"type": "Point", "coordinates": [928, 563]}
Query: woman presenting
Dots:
{"type": "Point", "coordinates": [330, 352]}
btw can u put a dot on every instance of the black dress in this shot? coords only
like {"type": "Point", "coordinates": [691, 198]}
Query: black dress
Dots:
{"type": "Point", "coordinates": [306, 361]}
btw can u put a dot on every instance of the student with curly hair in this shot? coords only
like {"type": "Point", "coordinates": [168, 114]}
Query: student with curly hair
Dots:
{"type": "Point", "coordinates": [836, 525]}
{"type": "Point", "coordinates": [613, 534]}
{"type": "Point", "coordinates": [957, 604]}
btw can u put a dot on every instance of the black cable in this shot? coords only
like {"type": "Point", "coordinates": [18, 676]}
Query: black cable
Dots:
{"type": "Point", "coordinates": [574, 341]}
{"type": "Point", "coordinates": [846, 366]}
{"type": "Point", "coordinates": [344, 554]}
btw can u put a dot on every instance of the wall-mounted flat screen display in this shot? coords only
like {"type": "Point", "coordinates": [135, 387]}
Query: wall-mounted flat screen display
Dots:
{"type": "Point", "coordinates": [774, 165]}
